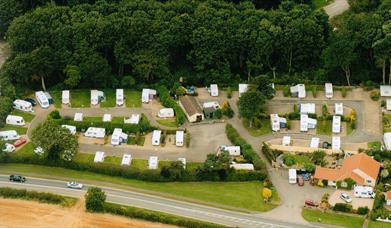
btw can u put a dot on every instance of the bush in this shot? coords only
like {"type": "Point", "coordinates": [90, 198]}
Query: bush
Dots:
{"type": "Point", "coordinates": [375, 95]}
{"type": "Point", "coordinates": [289, 159]}
{"type": "Point", "coordinates": [55, 115]}
{"type": "Point", "coordinates": [314, 91]}
{"type": "Point", "coordinates": [188, 138]}
{"type": "Point", "coordinates": [344, 92]}
{"type": "Point", "coordinates": [43, 197]}
{"type": "Point", "coordinates": [383, 103]}
{"type": "Point", "coordinates": [5, 109]}
{"type": "Point", "coordinates": [343, 207]}
{"type": "Point", "coordinates": [95, 200]}
{"type": "Point", "coordinates": [362, 210]}
{"type": "Point", "coordinates": [218, 114]}
{"type": "Point", "coordinates": [229, 92]}
{"type": "Point", "coordinates": [169, 102]}
{"type": "Point", "coordinates": [286, 91]}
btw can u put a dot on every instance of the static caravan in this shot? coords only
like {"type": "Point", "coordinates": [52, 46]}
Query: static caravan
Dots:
{"type": "Point", "coordinates": [298, 91]}
{"type": "Point", "coordinates": [15, 120]}
{"type": "Point", "coordinates": [72, 129]}
{"type": "Point", "coordinates": [118, 137]}
{"type": "Point", "coordinates": [232, 150]}
{"type": "Point", "coordinates": [211, 104]}
{"type": "Point", "coordinates": [385, 90]}
{"type": "Point", "coordinates": [242, 88]}
{"type": "Point", "coordinates": [328, 90]}
{"type": "Point", "coordinates": [214, 90]}
{"type": "Point", "coordinates": [387, 140]}
{"type": "Point", "coordinates": [363, 192]}
{"type": "Point", "coordinates": [9, 135]}
{"type": "Point", "coordinates": [336, 124]}
{"type": "Point", "coordinates": [78, 116]}
{"type": "Point", "coordinates": [126, 159]}
{"type": "Point", "coordinates": [179, 138]}
{"type": "Point", "coordinates": [307, 108]}
{"type": "Point", "coordinates": [275, 122]}
{"type": "Point", "coordinates": [42, 99]}
{"type": "Point", "coordinates": [283, 122]}
{"type": "Point", "coordinates": [242, 166]}
{"type": "Point", "coordinates": [134, 119]}
{"type": "Point", "coordinates": [338, 109]}
{"type": "Point", "coordinates": [286, 141]}
{"type": "Point", "coordinates": [156, 137]}
{"type": "Point", "coordinates": [166, 113]}
{"type": "Point", "coordinates": [97, 96]}
{"type": "Point", "coordinates": [292, 175]}
{"type": "Point", "coordinates": [336, 143]}
{"type": "Point", "coordinates": [312, 123]}
{"type": "Point", "coordinates": [304, 122]}
{"type": "Point", "coordinates": [95, 132]}
{"type": "Point", "coordinates": [183, 160]}
{"type": "Point", "coordinates": [147, 95]}
{"type": "Point", "coordinates": [119, 97]}
{"type": "Point", "coordinates": [153, 162]}
{"type": "Point", "coordinates": [388, 105]}
{"type": "Point", "coordinates": [314, 142]}
{"type": "Point", "coordinates": [65, 97]}
{"type": "Point", "coordinates": [99, 156]}
{"type": "Point", "coordinates": [107, 118]}
{"type": "Point", "coordinates": [23, 105]}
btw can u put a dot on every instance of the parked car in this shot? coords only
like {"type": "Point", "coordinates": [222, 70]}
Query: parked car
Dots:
{"type": "Point", "coordinates": [326, 145]}
{"type": "Point", "coordinates": [311, 203]}
{"type": "Point", "coordinates": [307, 176]}
{"type": "Point", "coordinates": [17, 178]}
{"type": "Point", "coordinates": [345, 197]}
{"type": "Point", "coordinates": [74, 185]}
{"type": "Point", "coordinates": [300, 180]}
{"type": "Point", "coordinates": [20, 142]}
{"type": "Point", "coordinates": [8, 148]}
{"type": "Point", "coordinates": [31, 100]}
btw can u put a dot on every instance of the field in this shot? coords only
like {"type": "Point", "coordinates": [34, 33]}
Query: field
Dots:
{"type": "Point", "coordinates": [80, 98]}
{"type": "Point", "coordinates": [342, 220]}
{"type": "Point", "coordinates": [324, 127]}
{"type": "Point", "coordinates": [263, 130]}
{"type": "Point", "coordinates": [132, 98]}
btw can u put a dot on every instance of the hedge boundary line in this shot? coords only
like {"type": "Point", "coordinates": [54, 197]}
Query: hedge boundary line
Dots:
{"type": "Point", "coordinates": [169, 102]}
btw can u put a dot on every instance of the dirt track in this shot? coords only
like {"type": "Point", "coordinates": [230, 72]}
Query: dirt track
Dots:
{"type": "Point", "coordinates": [21, 213]}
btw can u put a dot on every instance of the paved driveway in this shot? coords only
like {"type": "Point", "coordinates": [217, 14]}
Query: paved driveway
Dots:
{"type": "Point", "coordinates": [356, 202]}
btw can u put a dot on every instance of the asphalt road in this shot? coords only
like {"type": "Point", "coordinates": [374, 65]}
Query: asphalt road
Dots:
{"type": "Point", "coordinates": [185, 209]}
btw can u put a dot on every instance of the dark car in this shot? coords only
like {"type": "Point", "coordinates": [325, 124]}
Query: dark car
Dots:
{"type": "Point", "coordinates": [326, 145]}
{"type": "Point", "coordinates": [17, 178]}
{"type": "Point", "coordinates": [31, 100]}
{"type": "Point", "coordinates": [311, 203]}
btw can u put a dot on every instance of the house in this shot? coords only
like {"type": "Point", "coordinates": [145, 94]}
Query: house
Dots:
{"type": "Point", "coordinates": [388, 198]}
{"type": "Point", "coordinates": [15, 120]}
{"type": "Point", "coordinates": [336, 124]}
{"type": "Point", "coordinates": [95, 132]}
{"type": "Point", "coordinates": [385, 90]}
{"type": "Point", "coordinates": [49, 97]}
{"type": "Point", "coordinates": [153, 162]}
{"type": "Point", "coordinates": [214, 90]}
{"type": "Point", "coordinates": [97, 96]}
{"type": "Point", "coordinates": [179, 138]}
{"type": "Point", "coordinates": [126, 159]}
{"type": "Point", "coordinates": [9, 135]}
{"type": "Point", "coordinates": [338, 109]}
{"type": "Point", "coordinates": [360, 167]}
{"type": "Point", "coordinates": [298, 91]}
{"type": "Point", "coordinates": [192, 109]}
{"type": "Point", "coordinates": [388, 104]}
{"type": "Point", "coordinates": [118, 137]}
{"type": "Point", "coordinates": [328, 90]}
{"type": "Point", "coordinates": [232, 150]}
{"type": "Point", "coordinates": [107, 118]}
{"type": "Point", "coordinates": [71, 129]}
{"type": "Point", "coordinates": [156, 135]}
{"type": "Point", "coordinates": [242, 88]}
{"type": "Point", "coordinates": [147, 95]}
{"type": "Point", "coordinates": [42, 99]}
{"type": "Point", "coordinates": [286, 141]}
{"type": "Point", "coordinates": [119, 97]}
{"type": "Point", "coordinates": [336, 143]}
{"type": "Point", "coordinates": [134, 119]}
{"type": "Point", "coordinates": [314, 142]}
{"type": "Point", "coordinates": [23, 105]}
{"type": "Point", "coordinates": [307, 108]}
{"type": "Point", "coordinates": [65, 97]}
{"type": "Point", "coordinates": [275, 122]}
{"type": "Point", "coordinates": [166, 113]}
{"type": "Point", "coordinates": [242, 166]}
{"type": "Point", "coordinates": [78, 116]}
{"type": "Point", "coordinates": [99, 156]}
{"type": "Point", "coordinates": [387, 140]}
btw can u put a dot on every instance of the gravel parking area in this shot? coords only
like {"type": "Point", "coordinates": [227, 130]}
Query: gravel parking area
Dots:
{"type": "Point", "coordinates": [356, 202]}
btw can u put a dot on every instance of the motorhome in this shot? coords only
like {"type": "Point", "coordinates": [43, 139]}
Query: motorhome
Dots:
{"type": "Point", "coordinates": [15, 120]}
{"type": "Point", "coordinates": [292, 175]}
{"type": "Point", "coordinates": [119, 97]}
{"type": "Point", "coordinates": [166, 113]}
{"type": "Point", "coordinates": [118, 137]}
{"type": "Point", "coordinates": [65, 97]}
{"type": "Point", "coordinates": [328, 89]}
{"type": "Point", "coordinates": [97, 96]}
{"type": "Point", "coordinates": [95, 132]}
{"type": "Point", "coordinates": [9, 135]}
{"type": "Point", "coordinates": [363, 191]}
{"type": "Point", "coordinates": [42, 99]}
{"type": "Point", "coordinates": [153, 162]}
{"type": "Point", "coordinates": [304, 122]}
{"type": "Point", "coordinates": [156, 137]}
{"type": "Point", "coordinates": [134, 119]}
{"type": "Point", "coordinates": [179, 138]}
{"type": "Point", "coordinates": [214, 90]}
{"type": "Point", "coordinates": [147, 95]}
{"type": "Point", "coordinates": [23, 105]}
{"type": "Point", "coordinates": [72, 129]}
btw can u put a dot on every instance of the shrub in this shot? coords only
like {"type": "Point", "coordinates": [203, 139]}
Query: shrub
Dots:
{"type": "Point", "coordinates": [286, 91]}
{"type": "Point", "coordinates": [325, 110]}
{"type": "Point", "coordinates": [229, 92]}
{"type": "Point", "coordinates": [5, 109]}
{"type": "Point", "coordinates": [344, 92]}
{"type": "Point", "coordinates": [383, 103]}
{"type": "Point", "coordinates": [289, 159]}
{"type": "Point", "coordinates": [343, 207]}
{"type": "Point", "coordinates": [362, 210]}
{"type": "Point", "coordinates": [95, 199]}
{"type": "Point", "coordinates": [314, 91]}
{"type": "Point", "coordinates": [218, 114]}
{"type": "Point", "coordinates": [375, 95]}
{"type": "Point", "coordinates": [55, 115]}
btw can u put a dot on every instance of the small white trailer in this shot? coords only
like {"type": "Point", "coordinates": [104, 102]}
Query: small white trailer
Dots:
{"type": "Point", "coordinates": [156, 135]}
{"type": "Point", "coordinates": [99, 156]}
{"type": "Point", "coordinates": [338, 109]}
{"type": "Point", "coordinates": [179, 138]}
{"type": "Point", "coordinates": [232, 150]}
{"type": "Point", "coordinates": [385, 90]}
{"type": "Point", "coordinates": [65, 97]}
{"type": "Point", "coordinates": [211, 104]}
{"type": "Point", "coordinates": [292, 176]}
{"type": "Point", "coordinates": [336, 143]}
{"type": "Point", "coordinates": [126, 159]}
{"type": "Point", "coordinates": [387, 140]}
{"type": "Point", "coordinates": [78, 117]}
{"type": "Point", "coordinates": [336, 124]}
{"type": "Point", "coordinates": [183, 160]}
{"type": "Point", "coordinates": [388, 104]}
{"type": "Point", "coordinates": [153, 162]}
{"type": "Point", "coordinates": [95, 132]}
{"type": "Point", "coordinates": [134, 119]}
{"type": "Point", "coordinates": [166, 113]}
{"type": "Point", "coordinates": [23, 105]}
{"type": "Point", "coordinates": [119, 97]}
{"type": "Point", "coordinates": [42, 99]}
{"type": "Point", "coordinates": [15, 120]}
{"type": "Point", "coordinates": [97, 96]}
{"type": "Point", "coordinates": [71, 129]}
{"type": "Point", "coordinates": [328, 90]}
{"type": "Point", "coordinates": [9, 135]}
{"type": "Point", "coordinates": [242, 89]}
{"type": "Point", "coordinates": [242, 166]}
{"type": "Point", "coordinates": [363, 191]}
{"type": "Point", "coordinates": [107, 118]}
{"type": "Point", "coordinates": [214, 90]}
{"type": "Point", "coordinates": [314, 142]}
{"type": "Point", "coordinates": [275, 122]}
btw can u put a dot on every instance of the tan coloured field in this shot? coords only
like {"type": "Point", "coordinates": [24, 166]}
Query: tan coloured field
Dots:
{"type": "Point", "coordinates": [21, 213]}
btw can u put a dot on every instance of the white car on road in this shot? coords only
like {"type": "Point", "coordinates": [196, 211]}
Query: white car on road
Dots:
{"type": "Point", "coordinates": [74, 185]}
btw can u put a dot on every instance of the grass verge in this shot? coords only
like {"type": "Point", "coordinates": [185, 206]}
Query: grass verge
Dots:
{"type": "Point", "coordinates": [330, 218]}
{"type": "Point", "coordinates": [168, 122]}
{"type": "Point", "coordinates": [263, 130]}
{"type": "Point", "coordinates": [132, 98]}
{"type": "Point", "coordinates": [80, 98]}
{"type": "Point", "coordinates": [110, 99]}
{"type": "Point", "coordinates": [57, 98]}
{"type": "Point", "coordinates": [376, 224]}
{"type": "Point", "coordinates": [324, 127]}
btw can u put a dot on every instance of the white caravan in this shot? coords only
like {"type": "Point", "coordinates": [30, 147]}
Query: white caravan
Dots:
{"type": "Point", "coordinates": [328, 89]}
{"type": "Point", "coordinates": [166, 113]}
{"type": "Point", "coordinates": [99, 156]}
{"type": "Point", "coordinates": [214, 90]}
{"type": "Point", "coordinates": [153, 162]}
{"type": "Point", "coordinates": [95, 132]}
{"type": "Point", "coordinates": [156, 137]}
{"type": "Point", "coordinates": [15, 120]}
{"type": "Point", "coordinates": [118, 137]}
{"type": "Point", "coordinates": [65, 97]}
{"type": "Point", "coordinates": [23, 105]}
{"type": "Point", "coordinates": [119, 97]}
{"type": "Point", "coordinates": [292, 175]}
{"type": "Point", "coordinates": [126, 159]}
{"type": "Point", "coordinates": [9, 135]}
{"type": "Point", "coordinates": [96, 96]}
{"type": "Point", "coordinates": [42, 99]}
{"type": "Point", "coordinates": [179, 138]}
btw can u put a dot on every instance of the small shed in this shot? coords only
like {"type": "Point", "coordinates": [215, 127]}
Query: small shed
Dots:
{"type": "Point", "coordinates": [153, 162]}
{"type": "Point", "coordinates": [314, 142]}
{"type": "Point", "coordinates": [119, 97]}
{"type": "Point", "coordinates": [387, 140]}
{"type": "Point", "coordinates": [192, 108]}
{"type": "Point", "coordinates": [65, 97]}
{"type": "Point", "coordinates": [23, 105]}
{"type": "Point", "coordinates": [71, 129]}
{"type": "Point", "coordinates": [183, 160]}
{"type": "Point", "coordinates": [275, 122]}
{"type": "Point", "coordinates": [328, 90]}
{"type": "Point", "coordinates": [242, 166]}
{"type": "Point", "coordinates": [15, 120]}
{"type": "Point", "coordinates": [166, 113]}
{"type": "Point", "coordinates": [338, 109]}
{"type": "Point", "coordinates": [179, 138]}
{"type": "Point", "coordinates": [214, 90]}
{"type": "Point", "coordinates": [286, 141]}
{"type": "Point", "coordinates": [385, 90]}
{"type": "Point", "coordinates": [134, 119]}
{"type": "Point", "coordinates": [242, 88]}
{"type": "Point", "coordinates": [9, 135]}
{"type": "Point", "coordinates": [126, 159]}
{"type": "Point", "coordinates": [304, 122]}
{"type": "Point", "coordinates": [78, 116]}
{"type": "Point", "coordinates": [99, 156]}
{"type": "Point", "coordinates": [107, 118]}
{"type": "Point", "coordinates": [232, 150]}
{"type": "Point", "coordinates": [95, 132]}
{"type": "Point", "coordinates": [147, 95]}
{"type": "Point", "coordinates": [307, 108]}
{"type": "Point", "coordinates": [336, 124]}
{"type": "Point", "coordinates": [156, 135]}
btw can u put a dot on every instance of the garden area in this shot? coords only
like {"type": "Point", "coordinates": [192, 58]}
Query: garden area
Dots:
{"type": "Point", "coordinates": [331, 218]}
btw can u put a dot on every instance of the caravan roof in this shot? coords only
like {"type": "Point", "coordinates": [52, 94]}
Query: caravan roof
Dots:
{"type": "Point", "coordinates": [328, 88]}
{"type": "Point", "coordinates": [388, 105]}
{"type": "Point", "coordinates": [119, 97]}
{"type": "Point", "coordinates": [156, 137]}
{"type": "Point", "coordinates": [336, 143]}
{"type": "Point", "coordinates": [134, 119]}
{"type": "Point", "coordinates": [99, 156]}
{"type": "Point", "coordinates": [303, 122]}
{"type": "Point", "coordinates": [214, 90]}
{"type": "Point", "coordinates": [78, 116]}
{"type": "Point", "coordinates": [232, 150]}
{"type": "Point", "coordinates": [95, 132]}
{"type": "Point", "coordinates": [307, 108]}
{"type": "Point", "coordinates": [42, 99]}
{"type": "Point", "coordinates": [286, 140]}
{"type": "Point", "coordinates": [211, 104]}
{"type": "Point", "coordinates": [301, 90]}
{"type": "Point", "coordinates": [15, 120]}
{"type": "Point", "coordinates": [385, 90]}
{"type": "Point", "coordinates": [179, 138]}
{"type": "Point", "coordinates": [336, 124]}
{"type": "Point", "coordinates": [126, 159]}
{"type": "Point", "coordinates": [153, 162]}
{"type": "Point", "coordinates": [314, 142]}
{"type": "Point", "coordinates": [106, 118]}
{"type": "Point", "coordinates": [275, 122]}
{"type": "Point", "coordinates": [166, 113]}
{"type": "Point", "coordinates": [242, 88]}
{"type": "Point", "coordinates": [65, 97]}
{"type": "Point", "coordinates": [9, 135]}
{"type": "Point", "coordinates": [242, 166]}
{"type": "Point", "coordinates": [387, 140]}
{"type": "Point", "coordinates": [72, 129]}
{"type": "Point", "coordinates": [338, 108]}
{"type": "Point", "coordinates": [23, 105]}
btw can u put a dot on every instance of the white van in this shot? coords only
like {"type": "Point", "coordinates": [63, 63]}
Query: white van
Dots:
{"type": "Point", "coordinates": [292, 176]}
{"type": "Point", "coordinates": [42, 99]}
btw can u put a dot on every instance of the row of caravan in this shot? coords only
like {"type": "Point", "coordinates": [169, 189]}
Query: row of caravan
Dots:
{"type": "Point", "coordinates": [300, 91]}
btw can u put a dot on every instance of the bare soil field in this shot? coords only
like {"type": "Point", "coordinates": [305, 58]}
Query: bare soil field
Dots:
{"type": "Point", "coordinates": [21, 213]}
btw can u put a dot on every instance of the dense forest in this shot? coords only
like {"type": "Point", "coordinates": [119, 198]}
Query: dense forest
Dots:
{"type": "Point", "coordinates": [83, 44]}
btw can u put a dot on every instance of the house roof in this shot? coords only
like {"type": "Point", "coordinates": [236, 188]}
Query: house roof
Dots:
{"type": "Point", "coordinates": [388, 195]}
{"type": "Point", "coordinates": [357, 167]}
{"type": "Point", "coordinates": [190, 105]}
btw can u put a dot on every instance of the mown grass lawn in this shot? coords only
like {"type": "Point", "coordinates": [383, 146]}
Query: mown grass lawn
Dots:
{"type": "Point", "coordinates": [110, 99]}
{"type": "Point", "coordinates": [171, 122]}
{"type": "Point", "coordinates": [80, 98]}
{"type": "Point", "coordinates": [241, 195]}
{"type": "Point", "coordinates": [324, 127]}
{"type": "Point", "coordinates": [27, 116]}
{"type": "Point", "coordinates": [387, 123]}
{"type": "Point", "coordinates": [342, 220]}
{"type": "Point", "coordinates": [265, 128]}
{"type": "Point", "coordinates": [376, 224]}
{"type": "Point", "coordinates": [57, 97]}
{"type": "Point", "coordinates": [19, 129]}
{"type": "Point", "coordinates": [100, 119]}
{"type": "Point", "coordinates": [374, 145]}
{"type": "Point", "coordinates": [132, 98]}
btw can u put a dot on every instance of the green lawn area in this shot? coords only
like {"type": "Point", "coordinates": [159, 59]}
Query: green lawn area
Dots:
{"type": "Point", "coordinates": [80, 98]}
{"type": "Point", "coordinates": [132, 140]}
{"type": "Point", "coordinates": [317, 216]}
{"type": "Point", "coordinates": [241, 195]}
{"type": "Point", "coordinates": [376, 224]}
{"type": "Point", "coordinates": [265, 128]}
{"type": "Point", "coordinates": [27, 116]}
{"type": "Point", "coordinates": [26, 149]}
{"type": "Point", "coordinates": [132, 98]}
{"type": "Point", "coordinates": [324, 127]}
{"type": "Point", "coordinates": [110, 99]}
{"type": "Point", "coordinates": [349, 128]}
{"type": "Point", "coordinates": [19, 129]}
{"type": "Point", "coordinates": [168, 122]}
{"type": "Point", "coordinates": [320, 3]}
{"type": "Point", "coordinates": [100, 118]}
{"type": "Point", "coordinates": [387, 123]}
{"type": "Point", "coordinates": [57, 97]}
{"type": "Point", "coordinates": [374, 145]}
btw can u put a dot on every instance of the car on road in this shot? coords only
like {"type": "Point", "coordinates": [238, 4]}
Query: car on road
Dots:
{"type": "Point", "coordinates": [300, 180]}
{"type": "Point", "coordinates": [345, 197]}
{"type": "Point", "coordinates": [20, 142]}
{"type": "Point", "coordinates": [31, 100]}
{"type": "Point", "coordinates": [8, 148]}
{"type": "Point", "coordinates": [17, 178]}
{"type": "Point", "coordinates": [74, 185]}
{"type": "Point", "coordinates": [311, 203]}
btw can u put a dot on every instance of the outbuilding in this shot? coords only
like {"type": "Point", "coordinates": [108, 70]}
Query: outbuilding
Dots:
{"type": "Point", "coordinates": [387, 140]}
{"type": "Point", "coordinates": [107, 118]}
{"type": "Point", "coordinates": [147, 95]}
{"type": "Point", "coordinates": [338, 109]}
{"type": "Point", "coordinates": [242, 89]}
{"type": "Point", "coordinates": [99, 156]}
{"type": "Point", "coordinates": [42, 99]}
{"type": "Point", "coordinates": [134, 119]}
{"type": "Point", "coordinates": [72, 129]}
{"type": "Point", "coordinates": [336, 124]}
{"type": "Point", "coordinates": [95, 132]}
{"type": "Point", "coordinates": [307, 108]}
{"type": "Point", "coordinates": [9, 135]}
{"type": "Point", "coordinates": [153, 162]}
{"type": "Point", "coordinates": [232, 150]}
{"type": "Point", "coordinates": [286, 140]}
{"type": "Point", "coordinates": [336, 143]}
{"type": "Point", "coordinates": [97, 96]}
{"type": "Point", "coordinates": [314, 142]}
{"type": "Point", "coordinates": [78, 117]}
{"type": "Point", "coordinates": [183, 160]}
{"type": "Point", "coordinates": [214, 90]}
{"type": "Point", "coordinates": [23, 105]}
{"type": "Point", "coordinates": [15, 120]}
{"type": "Point", "coordinates": [156, 135]}
{"type": "Point", "coordinates": [118, 137]}
{"type": "Point", "coordinates": [119, 97]}
{"type": "Point", "coordinates": [65, 97]}
{"type": "Point", "coordinates": [242, 166]}
{"type": "Point", "coordinates": [328, 90]}
{"type": "Point", "coordinates": [166, 113]}
{"type": "Point", "coordinates": [179, 138]}
{"type": "Point", "coordinates": [275, 122]}
{"type": "Point", "coordinates": [192, 109]}
{"type": "Point", "coordinates": [385, 90]}
{"type": "Point", "coordinates": [126, 159]}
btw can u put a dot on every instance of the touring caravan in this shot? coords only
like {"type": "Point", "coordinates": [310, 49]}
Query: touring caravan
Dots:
{"type": "Point", "coordinates": [328, 89]}
{"type": "Point", "coordinates": [72, 129]}
{"type": "Point", "coordinates": [298, 91]}
{"type": "Point", "coordinates": [97, 96]}
{"type": "Point", "coordinates": [9, 135]}
{"type": "Point", "coordinates": [107, 118]}
{"type": "Point", "coordinates": [134, 119]}
{"type": "Point", "coordinates": [314, 142]}
{"type": "Point", "coordinates": [166, 113]}
{"type": "Point", "coordinates": [118, 137]}
{"type": "Point", "coordinates": [232, 150]}
{"type": "Point", "coordinates": [95, 132]}
{"type": "Point", "coordinates": [338, 108]}
{"type": "Point", "coordinates": [119, 97]}
{"type": "Point", "coordinates": [275, 122]}
{"type": "Point", "coordinates": [304, 122]}
{"type": "Point", "coordinates": [42, 99]}
{"type": "Point", "coordinates": [336, 124]}
{"type": "Point", "coordinates": [65, 98]}
{"type": "Point", "coordinates": [307, 108]}
{"type": "Point", "coordinates": [147, 95]}
{"type": "Point", "coordinates": [15, 120]}
{"type": "Point", "coordinates": [153, 162]}
{"type": "Point", "coordinates": [214, 90]}
{"type": "Point", "coordinates": [126, 159]}
{"type": "Point", "coordinates": [99, 156]}
{"type": "Point", "coordinates": [156, 137]}
{"type": "Point", "coordinates": [179, 138]}
{"type": "Point", "coordinates": [336, 143]}
{"type": "Point", "coordinates": [78, 117]}
{"type": "Point", "coordinates": [23, 105]}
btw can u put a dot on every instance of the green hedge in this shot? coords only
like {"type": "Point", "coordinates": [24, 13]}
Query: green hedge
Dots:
{"type": "Point", "coordinates": [43, 197]}
{"type": "Point", "coordinates": [169, 102]}
{"type": "Point", "coordinates": [5, 109]}
{"type": "Point", "coordinates": [343, 207]}
{"type": "Point", "coordinates": [156, 216]}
